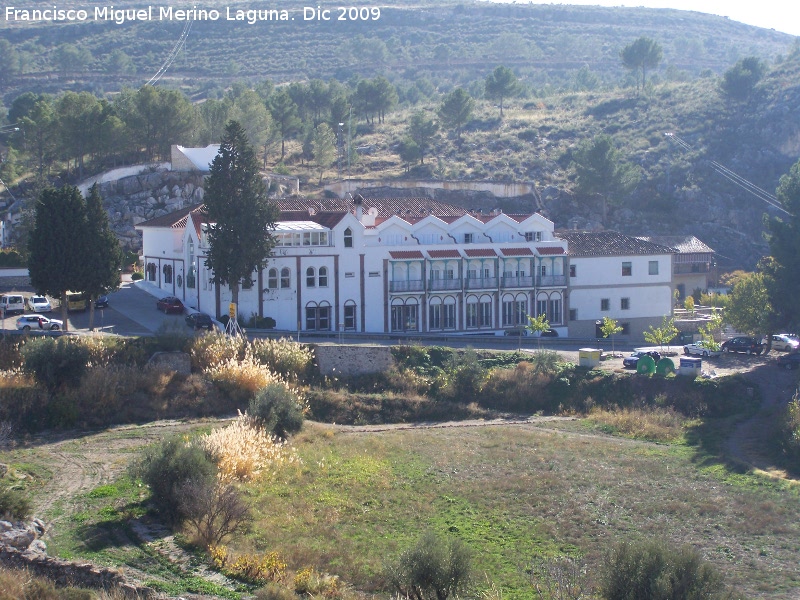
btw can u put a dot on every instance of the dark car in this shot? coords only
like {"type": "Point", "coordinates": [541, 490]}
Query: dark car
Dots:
{"type": "Point", "coordinates": [630, 362]}
{"type": "Point", "coordinates": [742, 343]}
{"type": "Point", "coordinates": [170, 304]}
{"type": "Point", "coordinates": [549, 333]}
{"type": "Point", "coordinates": [789, 361]}
{"type": "Point", "coordinates": [101, 302]}
{"type": "Point", "coordinates": [200, 321]}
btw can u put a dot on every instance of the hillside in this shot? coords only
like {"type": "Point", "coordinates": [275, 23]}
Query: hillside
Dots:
{"type": "Point", "coordinates": [425, 51]}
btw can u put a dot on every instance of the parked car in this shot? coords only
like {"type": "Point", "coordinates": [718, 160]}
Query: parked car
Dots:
{"type": "Point", "coordinates": [170, 304]}
{"type": "Point", "coordinates": [517, 331]}
{"type": "Point", "coordinates": [200, 321]}
{"type": "Point", "coordinates": [101, 302]}
{"type": "Point", "coordinates": [743, 343]}
{"type": "Point", "coordinates": [12, 304]}
{"type": "Point", "coordinates": [549, 333]}
{"type": "Point", "coordinates": [630, 362]}
{"type": "Point", "coordinates": [785, 342]}
{"type": "Point", "coordinates": [789, 361]}
{"type": "Point", "coordinates": [699, 349]}
{"type": "Point", "coordinates": [38, 304]}
{"type": "Point", "coordinates": [29, 322]}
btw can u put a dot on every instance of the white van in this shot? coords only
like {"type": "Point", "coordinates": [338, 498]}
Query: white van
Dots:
{"type": "Point", "coordinates": [12, 304]}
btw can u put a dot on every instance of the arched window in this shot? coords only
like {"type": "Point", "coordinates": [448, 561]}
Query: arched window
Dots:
{"type": "Point", "coordinates": [191, 277]}
{"type": "Point", "coordinates": [348, 238]}
{"type": "Point", "coordinates": [311, 280]}
{"type": "Point", "coordinates": [272, 279]}
{"type": "Point", "coordinates": [151, 271]}
{"type": "Point", "coordinates": [167, 269]}
{"type": "Point", "coordinates": [323, 277]}
{"type": "Point", "coordinates": [286, 278]}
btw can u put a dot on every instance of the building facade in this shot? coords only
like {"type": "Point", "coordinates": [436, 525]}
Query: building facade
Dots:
{"type": "Point", "coordinates": [414, 265]}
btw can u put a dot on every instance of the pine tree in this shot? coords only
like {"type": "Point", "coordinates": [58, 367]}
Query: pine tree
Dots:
{"type": "Point", "coordinates": [239, 212]}
{"type": "Point", "coordinates": [103, 256]}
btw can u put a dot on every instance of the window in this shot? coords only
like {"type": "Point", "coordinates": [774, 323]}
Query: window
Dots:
{"type": "Point", "coordinates": [318, 318]}
{"type": "Point", "coordinates": [652, 267]}
{"type": "Point", "coordinates": [449, 316]}
{"type": "Point", "coordinates": [625, 303]}
{"type": "Point", "coordinates": [468, 238]}
{"type": "Point", "coordinates": [167, 274]}
{"type": "Point", "coordinates": [348, 238]}
{"type": "Point", "coordinates": [543, 270]}
{"type": "Point", "coordinates": [311, 277]}
{"type": "Point", "coordinates": [374, 273]}
{"type": "Point", "coordinates": [435, 274]}
{"type": "Point", "coordinates": [541, 307]}
{"type": "Point", "coordinates": [404, 317]}
{"type": "Point", "coordinates": [350, 317]}
{"type": "Point", "coordinates": [573, 314]}
{"type": "Point", "coordinates": [514, 313]}
{"type": "Point", "coordinates": [349, 274]}
{"type": "Point", "coordinates": [272, 279]}
{"type": "Point", "coordinates": [323, 277]}
{"type": "Point", "coordinates": [472, 315]}
{"type": "Point", "coordinates": [627, 269]}
{"type": "Point", "coordinates": [605, 304]}
{"type": "Point", "coordinates": [554, 316]}
{"type": "Point", "coordinates": [435, 316]}
{"type": "Point", "coordinates": [485, 314]}
{"type": "Point", "coordinates": [286, 278]}
{"type": "Point", "coordinates": [247, 283]}
{"type": "Point", "coordinates": [533, 236]}
{"type": "Point", "coordinates": [191, 277]}
{"type": "Point", "coordinates": [573, 270]}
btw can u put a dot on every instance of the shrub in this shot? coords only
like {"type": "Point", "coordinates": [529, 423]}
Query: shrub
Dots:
{"type": "Point", "coordinates": [24, 400]}
{"type": "Point", "coordinates": [522, 389]}
{"type": "Point", "coordinates": [214, 509]}
{"type": "Point", "coordinates": [284, 356]}
{"type": "Point", "coordinates": [209, 351]}
{"type": "Point", "coordinates": [14, 504]}
{"type": "Point", "coordinates": [789, 435]}
{"type": "Point", "coordinates": [167, 468]}
{"type": "Point", "coordinates": [244, 452]}
{"type": "Point", "coordinates": [434, 569]}
{"type": "Point", "coordinates": [55, 362]}
{"type": "Point", "coordinates": [266, 568]}
{"type": "Point", "coordinates": [137, 276]}
{"type": "Point", "coordinates": [654, 571]}
{"type": "Point", "coordinates": [277, 409]}
{"type": "Point", "coordinates": [309, 582]}
{"type": "Point", "coordinates": [466, 377]}
{"type": "Point", "coordinates": [10, 354]}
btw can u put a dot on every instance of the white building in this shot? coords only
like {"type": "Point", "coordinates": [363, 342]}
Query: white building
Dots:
{"type": "Point", "coordinates": [378, 265]}
{"type": "Point", "coordinates": [414, 265]}
{"type": "Point", "coordinates": [613, 275]}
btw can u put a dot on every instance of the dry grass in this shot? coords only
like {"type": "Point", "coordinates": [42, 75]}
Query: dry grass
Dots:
{"type": "Point", "coordinates": [245, 452]}
{"type": "Point", "coordinates": [656, 424]}
{"type": "Point", "coordinates": [283, 356]}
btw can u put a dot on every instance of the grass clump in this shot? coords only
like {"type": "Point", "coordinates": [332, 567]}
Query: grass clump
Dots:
{"type": "Point", "coordinates": [14, 504]}
{"type": "Point", "coordinates": [243, 451]}
{"type": "Point", "coordinates": [647, 423]}
{"type": "Point", "coordinates": [283, 356]}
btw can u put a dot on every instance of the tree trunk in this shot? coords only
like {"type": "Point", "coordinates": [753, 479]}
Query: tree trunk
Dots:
{"type": "Point", "coordinates": [64, 310]}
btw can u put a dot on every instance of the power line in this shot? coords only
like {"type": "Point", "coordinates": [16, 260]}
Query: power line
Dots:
{"type": "Point", "coordinates": [735, 178]}
{"type": "Point", "coordinates": [173, 54]}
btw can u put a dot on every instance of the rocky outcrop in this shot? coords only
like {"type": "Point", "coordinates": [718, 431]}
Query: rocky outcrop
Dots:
{"type": "Point", "coordinates": [138, 198]}
{"type": "Point", "coordinates": [21, 547]}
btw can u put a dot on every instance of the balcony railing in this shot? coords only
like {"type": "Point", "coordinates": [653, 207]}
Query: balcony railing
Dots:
{"type": "Point", "coordinates": [551, 280]}
{"type": "Point", "coordinates": [414, 285]}
{"type": "Point", "coordinates": [481, 283]}
{"type": "Point", "coordinates": [436, 285]}
{"type": "Point", "coordinates": [686, 268]}
{"type": "Point", "coordinates": [516, 282]}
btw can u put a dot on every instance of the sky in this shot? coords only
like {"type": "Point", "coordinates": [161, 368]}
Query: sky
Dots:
{"type": "Point", "coordinates": [781, 15]}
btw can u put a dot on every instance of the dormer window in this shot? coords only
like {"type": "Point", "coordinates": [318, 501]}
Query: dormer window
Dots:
{"type": "Point", "coordinates": [468, 238]}
{"type": "Point", "coordinates": [533, 236]}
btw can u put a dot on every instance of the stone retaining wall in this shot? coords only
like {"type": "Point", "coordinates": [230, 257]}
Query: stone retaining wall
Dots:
{"type": "Point", "coordinates": [334, 359]}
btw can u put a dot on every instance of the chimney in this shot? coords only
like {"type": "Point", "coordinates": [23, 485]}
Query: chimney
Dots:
{"type": "Point", "coordinates": [359, 202]}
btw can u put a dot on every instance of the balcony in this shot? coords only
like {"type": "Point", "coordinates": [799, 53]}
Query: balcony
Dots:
{"type": "Point", "coordinates": [551, 280]}
{"type": "Point", "coordinates": [436, 285]}
{"type": "Point", "coordinates": [481, 283]}
{"type": "Point", "coordinates": [414, 285]}
{"type": "Point", "coordinates": [516, 282]}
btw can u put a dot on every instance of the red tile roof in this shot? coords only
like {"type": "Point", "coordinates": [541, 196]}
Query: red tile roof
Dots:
{"type": "Point", "coordinates": [405, 254]}
{"type": "Point", "coordinates": [609, 243]}
{"type": "Point", "coordinates": [516, 251]}
{"type": "Point", "coordinates": [173, 220]}
{"type": "Point", "coordinates": [549, 250]}
{"type": "Point", "coordinates": [479, 252]}
{"type": "Point", "coordinates": [444, 254]}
